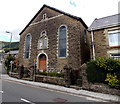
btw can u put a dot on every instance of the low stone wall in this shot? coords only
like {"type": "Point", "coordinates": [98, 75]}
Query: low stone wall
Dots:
{"type": "Point", "coordinates": [49, 79]}
{"type": "Point", "coordinates": [14, 75]}
{"type": "Point", "coordinates": [40, 78]}
{"type": "Point", "coordinates": [103, 88]}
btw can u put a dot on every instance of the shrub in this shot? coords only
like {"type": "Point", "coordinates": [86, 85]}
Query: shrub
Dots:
{"type": "Point", "coordinates": [26, 73]}
{"type": "Point", "coordinates": [55, 74]}
{"type": "Point", "coordinates": [15, 70]}
{"type": "Point", "coordinates": [112, 80]}
{"type": "Point", "coordinates": [104, 70]}
{"type": "Point", "coordinates": [94, 74]}
{"type": "Point", "coordinates": [108, 64]}
{"type": "Point", "coordinates": [7, 62]}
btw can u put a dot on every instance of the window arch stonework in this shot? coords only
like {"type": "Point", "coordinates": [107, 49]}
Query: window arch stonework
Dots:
{"type": "Point", "coordinates": [27, 46]}
{"type": "Point", "coordinates": [62, 41]}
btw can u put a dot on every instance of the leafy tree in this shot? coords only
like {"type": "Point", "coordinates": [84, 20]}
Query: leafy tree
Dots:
{"type": "Point", "coordinates": [7, 62]}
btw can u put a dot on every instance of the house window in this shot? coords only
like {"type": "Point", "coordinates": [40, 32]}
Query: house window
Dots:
{"type": "Point", "coordinates": [114, 38]}
{"type": "Point", "coordinates": [27, 46]}
{"type": "Point", "coordinates": [62, 42]}
{"type": "Point", "coordinates": [43, 41]}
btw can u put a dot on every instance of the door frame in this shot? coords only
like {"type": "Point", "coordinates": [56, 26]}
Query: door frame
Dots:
{"type": "Point", "coordinates": [46, 60]}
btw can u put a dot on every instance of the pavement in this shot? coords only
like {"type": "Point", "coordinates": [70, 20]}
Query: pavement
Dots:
{"type": "Point", "coordinates": [100, 96]}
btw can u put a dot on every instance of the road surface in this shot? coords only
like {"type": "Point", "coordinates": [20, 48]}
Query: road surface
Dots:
{"type": "Point", "coordinates": [16, 92]}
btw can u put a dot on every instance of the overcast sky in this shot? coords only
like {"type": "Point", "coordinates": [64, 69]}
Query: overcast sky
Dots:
{"type": "Point", "coordinates": [15, 14]}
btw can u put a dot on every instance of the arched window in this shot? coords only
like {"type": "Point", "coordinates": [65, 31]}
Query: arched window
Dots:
{"type": "Point", "coordinates": [27, 45]}
{"type": "Point", "coordinates": [62, 42]}
{"type": "Point", "coordinates": [43, 41]}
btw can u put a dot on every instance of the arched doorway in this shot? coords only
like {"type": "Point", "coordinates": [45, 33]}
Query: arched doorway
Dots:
{"type": "Point", "coordinates": [42, 62]}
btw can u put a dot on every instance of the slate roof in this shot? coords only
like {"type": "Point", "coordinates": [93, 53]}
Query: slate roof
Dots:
{"type": "Point", "coordinates": [105, 22]}
{"type": "Point", "coordinates": [62, 12]}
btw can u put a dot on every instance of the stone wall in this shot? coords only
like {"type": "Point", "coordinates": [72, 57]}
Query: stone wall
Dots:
{"type": "Point", "coordinates": [100, 43]}
{"type": "Point", "coordinates": [48, 79]}
{"type": "Point", "coordinates": [40, 78]}
{"type": "Point", "coordinates": [15, 75]}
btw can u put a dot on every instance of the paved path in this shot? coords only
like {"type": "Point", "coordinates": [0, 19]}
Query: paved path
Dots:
{"type": "Point", "coordinates": [2, 69]}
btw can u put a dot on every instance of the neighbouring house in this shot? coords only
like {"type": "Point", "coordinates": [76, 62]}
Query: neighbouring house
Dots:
{"type": "Point", "coordinates": [105, 37]}
{"type": "Point", "coordinates": [2, 44]}
{"type": "Point", "coordinates": [13, 53]}
{"type": "Point", "coordinates": [53, 39]}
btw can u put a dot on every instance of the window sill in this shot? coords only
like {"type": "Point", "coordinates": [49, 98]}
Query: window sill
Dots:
{"type": "Point", "coordinates": [114, 46]}
{"type": "Point", "coordinates": [62, 57]}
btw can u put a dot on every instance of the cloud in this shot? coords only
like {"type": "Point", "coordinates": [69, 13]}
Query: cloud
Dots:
{"type": "Point", "coordinates": [15, 34]}
{"type": "Point", "coordinates": [73, 3]}
{"type": "Point", "coordinates": [6, 36]}
{"type": "Point", "coordinates": [1, 40]}
{"type": "Point", "coordinates": [15, 14]}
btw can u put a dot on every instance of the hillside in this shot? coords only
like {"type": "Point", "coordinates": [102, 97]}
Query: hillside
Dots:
{"type": "Point", "coordinates": [13, 45]}
{"type": "Point", "coordinates": [6, 46]}
{"type": "Point", "coordinates": [3, 44]}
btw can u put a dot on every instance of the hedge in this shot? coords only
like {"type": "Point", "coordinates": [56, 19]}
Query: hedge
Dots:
{"type": "Point", "coordinates": [94, 74]}
{"type": "Point", "coordinates": [51, 74]}
{"type": "Point", "coordinates": [104, 70]}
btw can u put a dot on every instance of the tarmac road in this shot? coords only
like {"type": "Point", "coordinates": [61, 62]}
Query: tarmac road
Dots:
{"type": "Point", "coordinates": [17, 92]}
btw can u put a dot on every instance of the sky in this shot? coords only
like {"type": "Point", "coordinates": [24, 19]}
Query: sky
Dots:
{"type": "Point", "coordinates": [15, 14]}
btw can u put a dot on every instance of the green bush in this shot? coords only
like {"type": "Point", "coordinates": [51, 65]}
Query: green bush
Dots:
{"type": "Point", "coordinates": [113, 81]}
{"type": "Point", "coordinates": [104, 70]}
{"type": "Point", "coordinates": [26, 73]}
{"type": "Point", "coordinates": [15, 70]}
{"type": "Point", "coordinates": [94, 74]}
{"type": "Point", "coordinates": [7, 62]}
{"type": "Point", "coordinates": [110, 64]}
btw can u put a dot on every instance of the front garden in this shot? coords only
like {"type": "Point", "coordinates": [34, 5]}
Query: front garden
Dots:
{"type": "Point", "coordinates": [103, 70]}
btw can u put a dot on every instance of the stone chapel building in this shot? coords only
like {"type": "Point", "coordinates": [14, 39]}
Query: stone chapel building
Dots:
{"type": "Point", "coordinates": [54, 39]}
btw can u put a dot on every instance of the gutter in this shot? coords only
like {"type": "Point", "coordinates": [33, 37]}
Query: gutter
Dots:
{"type": "Point", "coordinates": [93, 45]}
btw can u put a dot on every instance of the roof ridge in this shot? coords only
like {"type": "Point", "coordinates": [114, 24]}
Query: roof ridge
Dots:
{"type": "Point", "coordinates": [107, 16]}
{"type": "Point", "coordinates": [61, 11]}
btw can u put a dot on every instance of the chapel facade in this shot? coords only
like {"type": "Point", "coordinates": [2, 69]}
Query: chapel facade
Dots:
{"type": "Point", "coordinates": [53, 39]}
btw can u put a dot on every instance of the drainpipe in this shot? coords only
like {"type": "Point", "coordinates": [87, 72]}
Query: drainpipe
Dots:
{"type": "Point", "coordinates": [93, 45]}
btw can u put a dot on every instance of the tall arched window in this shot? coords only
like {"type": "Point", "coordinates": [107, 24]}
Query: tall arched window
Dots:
{"type": "Point", "coordinates": [62, 42]}
{"type": "Point", "coordinates": [27, 45]}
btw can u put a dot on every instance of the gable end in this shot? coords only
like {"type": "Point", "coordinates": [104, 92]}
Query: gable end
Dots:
{"type": "Point", "coordinates": [75, 17]}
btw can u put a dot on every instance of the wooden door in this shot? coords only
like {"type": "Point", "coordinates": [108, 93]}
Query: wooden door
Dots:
{"type": "Point", "coordinates": [42, 62]}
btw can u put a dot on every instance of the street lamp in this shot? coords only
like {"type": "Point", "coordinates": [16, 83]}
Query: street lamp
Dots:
{"type": "Point", "coordinates": [10, 39]}
{"type": "Point", "coordinates": [10, 47]}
